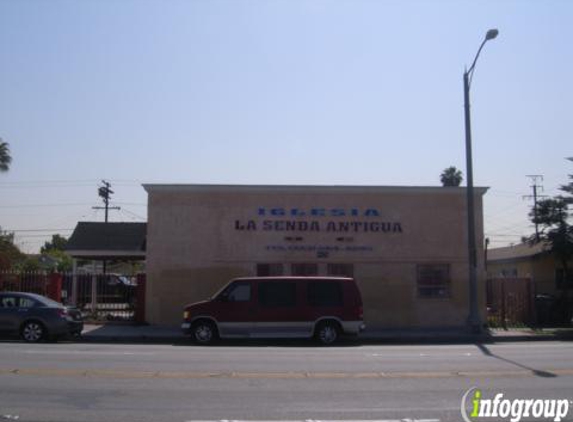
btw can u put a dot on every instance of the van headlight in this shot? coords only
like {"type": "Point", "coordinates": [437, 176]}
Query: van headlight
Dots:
{"type": "Point", "coordinates": [186, 315]}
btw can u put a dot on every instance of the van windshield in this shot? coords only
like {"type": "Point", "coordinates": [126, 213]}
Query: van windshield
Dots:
{"type": "Point", "coordinates": [237, 291]}
{"type": "Point", "coordinates": [219, 292]}
{"type": "Point", "coordinates": [223, 291]}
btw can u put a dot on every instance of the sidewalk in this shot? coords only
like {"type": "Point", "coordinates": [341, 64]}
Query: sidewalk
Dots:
{"type": "Point", "coordinates": [160, 334]}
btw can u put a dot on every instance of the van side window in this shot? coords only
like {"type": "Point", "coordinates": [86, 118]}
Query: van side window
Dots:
{"type": "Point", "coordinates": [239, 292]}
{"type": "Point", "coordinates": [277, 294]}
{"type": "Point", "coordinates": [324, 294]}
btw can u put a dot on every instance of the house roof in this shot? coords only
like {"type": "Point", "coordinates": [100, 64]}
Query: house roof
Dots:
{"type": "Point", "coordinates": [515, 252]}
{"type": "Point", "coordinates": [91, 240]}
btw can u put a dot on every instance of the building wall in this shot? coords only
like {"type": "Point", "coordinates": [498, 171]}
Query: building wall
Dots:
{"type": "Point", "coordinates": [543, 274]}
{"type": "Point", "coordinates": [540, 268]}
{"type": "Point", "coordinates": [199, 237]}
{"type": "Point", "coordinates": [518, 268]}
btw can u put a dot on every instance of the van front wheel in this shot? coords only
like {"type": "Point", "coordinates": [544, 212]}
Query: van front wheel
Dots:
{"type": "Point", "coordinates": [327, 332]}
{"type": "Point", "coordinates": [204, 332]}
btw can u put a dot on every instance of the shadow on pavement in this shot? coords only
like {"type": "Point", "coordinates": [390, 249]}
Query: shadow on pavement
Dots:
{"type": "Point", "coordinates": [543, 374]}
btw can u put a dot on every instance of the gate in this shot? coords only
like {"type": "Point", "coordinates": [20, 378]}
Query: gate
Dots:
{"type": "Point", "coordinates": [510, 302]}
{"type": "Point", "coordinates": [100, 297]}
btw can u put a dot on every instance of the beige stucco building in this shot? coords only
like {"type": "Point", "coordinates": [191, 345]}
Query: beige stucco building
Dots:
{"type": "Point", "coordinates": [406, 246]}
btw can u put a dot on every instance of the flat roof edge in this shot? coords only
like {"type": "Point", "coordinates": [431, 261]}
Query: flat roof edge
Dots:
{"type": "Point", "coordinates": [104, 253]}
{"type": "Point", "coordinates": [206, 188]}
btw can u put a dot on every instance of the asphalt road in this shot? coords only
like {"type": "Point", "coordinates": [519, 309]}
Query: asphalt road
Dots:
{"type": "Point", "coordinates": [286, 381]}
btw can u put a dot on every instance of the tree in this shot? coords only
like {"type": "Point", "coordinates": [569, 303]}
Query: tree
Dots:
{"type": "Point", "coordinates": [29, 264]}
{"type": "Point", "coordinates": [58, 243]}
{"type": "Point", "coordinates": [555, 231]}
{"type": "Point", "coordinates": [64, 262]}
{"type": "Point", "coordinates": [5, 158]}
{"type": "Point", "coordinates": [568, 189]}
{"type": "Point", "coordinates": [552, 216]}
{"type": "Point", "coordinates": [10, 254]}
{"type": "Point", "coordinates": [55, 249]}
{"type": "Point", "coordinates": [451, 177]}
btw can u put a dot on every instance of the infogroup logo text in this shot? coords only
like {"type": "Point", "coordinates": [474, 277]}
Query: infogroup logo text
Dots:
{"type": "Point", "coordinates": [513, 410]}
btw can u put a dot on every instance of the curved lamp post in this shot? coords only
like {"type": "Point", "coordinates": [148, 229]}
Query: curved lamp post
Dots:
{"type": "Point", "coordinates": [474, 319]}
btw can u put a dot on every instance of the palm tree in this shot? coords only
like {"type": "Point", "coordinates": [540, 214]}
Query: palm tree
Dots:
{"type": "Point", "coordinates": [451, 177]}
{"type": "Point", "coordinates": [5, 158]}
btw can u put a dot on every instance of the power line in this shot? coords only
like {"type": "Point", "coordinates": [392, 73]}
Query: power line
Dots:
{"type": "Point", "coordinates": [132, 214]}
{"type": "Point", "coordinates": [65, 183]}
{"type": "Point", "coordinates": [74, 204]}
{"type": "Point", "coordinates": [507, 209]}
{"type": "Point", "coordinates": [46, 184]}
{"type": "Point", "coordinates": [503, 193]}
{"type": "Point", "coordinates": [135, 204]}
{"type": "Point", "coordinates": [35, 230]}
{"type": "Point", "coordinates": [502, 235]}
{"type": "Point", "coordinates": [502, 224]}
{"type": "Point", "coordinates": [39, 236]}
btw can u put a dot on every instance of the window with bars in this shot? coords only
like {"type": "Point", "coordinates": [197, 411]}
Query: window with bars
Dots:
{"type": "Point", "coordinates": [433, 281]}
{"type": "Point", "coordinates": [269, 270]}
{"type": "Point", "coordinates": [340, 270]}
{"type": "Point", "coordinates": [304, 269]}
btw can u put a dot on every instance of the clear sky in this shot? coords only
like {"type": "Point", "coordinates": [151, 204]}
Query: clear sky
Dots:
{"type": "Point", "coordinates": [276, 92]}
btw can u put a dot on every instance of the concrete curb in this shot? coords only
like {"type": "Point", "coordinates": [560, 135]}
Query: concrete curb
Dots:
{"type": "Point", "coordinates": [171, 335]}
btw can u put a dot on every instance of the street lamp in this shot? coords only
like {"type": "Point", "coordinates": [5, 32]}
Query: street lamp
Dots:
{"type": "Point", "coordinates": [474, 319]}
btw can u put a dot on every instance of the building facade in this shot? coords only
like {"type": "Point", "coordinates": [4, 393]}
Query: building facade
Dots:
{"type": "Point", "coordinates": [406, 246]}
{"type": "Point", "coordinates": [534, 262]}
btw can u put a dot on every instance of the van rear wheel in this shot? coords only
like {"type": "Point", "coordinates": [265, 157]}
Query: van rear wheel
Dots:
{"type": "Point", "coordinates": [327, 332]}
{"type": "Point", "coordinates": [204, 332]}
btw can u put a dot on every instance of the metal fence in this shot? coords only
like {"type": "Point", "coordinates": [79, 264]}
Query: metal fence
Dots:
{"type": "Point", "coordinates": [31, 282]}
{"type": "Point", "coordinates": [510, 302]}
{"type": "Point", "coordinates": [100, 297]}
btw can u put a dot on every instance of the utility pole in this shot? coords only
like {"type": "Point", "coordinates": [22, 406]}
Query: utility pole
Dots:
{"type": "Point", "coordinates": [535, 179]}
{"type": "Point", "coordinates": [105, 193]}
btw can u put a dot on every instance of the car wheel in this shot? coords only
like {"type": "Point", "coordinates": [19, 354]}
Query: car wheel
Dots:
{"type": "Point", "coordinates": [327, 332]}
{"type": "Point", "coordinates": [33, 332]}
{"type": "Point", "coordinates": [204, 332]}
